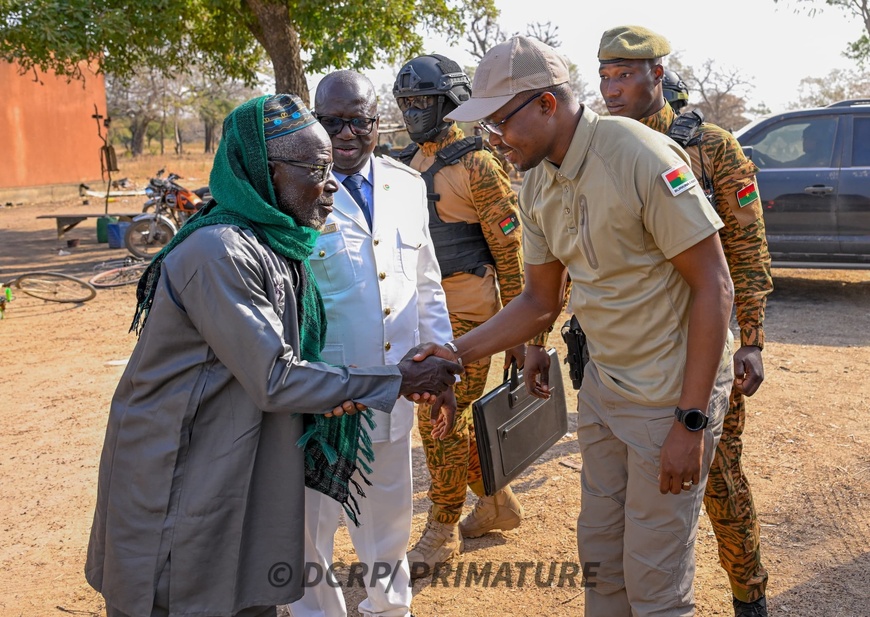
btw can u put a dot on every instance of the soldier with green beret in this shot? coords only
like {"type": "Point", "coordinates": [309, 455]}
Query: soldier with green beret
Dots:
{"type": "Point", "coordinates": [631, 79]}
{"type": "Point", "coordinates": [631, 43]}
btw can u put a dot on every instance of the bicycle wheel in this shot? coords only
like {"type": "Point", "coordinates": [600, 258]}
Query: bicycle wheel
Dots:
{"type": "Point", "coordinates": [117, 277]}
{"type": "Point", "coordinates": [145, 238]}
{"type": "Point", "coordinates": [55, 287]}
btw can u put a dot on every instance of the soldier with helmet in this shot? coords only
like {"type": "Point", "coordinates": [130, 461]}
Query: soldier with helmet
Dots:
{"type": "Point", "coordinates": [635, 85]}
{"type": "Point", "coordinates": [675, 91]}
{"type": "Point", "coordinates": [474, 223]}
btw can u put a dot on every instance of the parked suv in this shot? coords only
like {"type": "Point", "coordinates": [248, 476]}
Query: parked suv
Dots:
{"type": "Point", "coordinates": [814, 183]}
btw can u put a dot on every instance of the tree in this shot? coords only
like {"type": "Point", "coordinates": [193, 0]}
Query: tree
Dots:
{"type": "Point", "coordinates": [149, 106]}
{"type": "Point", "coordinates": [484, 33]}
{"type": "Point", "coordinates": [856, 50]}
{"type": "Point", "coordinates": [134, 104]}
{"type": "Point", "coordinates": [224, 38]}
{"type": "Point", "coordinates": [838, 85]}
{"type": "Point", "coordinates": [722, 91]}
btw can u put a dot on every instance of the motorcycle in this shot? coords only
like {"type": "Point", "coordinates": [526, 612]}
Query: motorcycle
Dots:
{"type": "Point", "coordinates": [168, 207]}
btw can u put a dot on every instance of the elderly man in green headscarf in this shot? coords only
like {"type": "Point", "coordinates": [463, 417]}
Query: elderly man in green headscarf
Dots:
{"type": "Point", "coordinates": [225, 411]}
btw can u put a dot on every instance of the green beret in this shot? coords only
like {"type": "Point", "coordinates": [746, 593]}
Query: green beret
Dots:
{"type": "Point", "coordinates": [631, 43]}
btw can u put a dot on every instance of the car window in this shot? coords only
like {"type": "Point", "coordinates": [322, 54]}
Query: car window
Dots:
{"type": "Point", "coordinates": [803, 142]}
{"type": "Point", "coordinates": [861, 143]}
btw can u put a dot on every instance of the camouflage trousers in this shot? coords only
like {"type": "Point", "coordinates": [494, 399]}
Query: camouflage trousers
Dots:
{"type": "Point", "coordinates": [453, 461]}
{"type": "Point", "coordinates": [729, 505]}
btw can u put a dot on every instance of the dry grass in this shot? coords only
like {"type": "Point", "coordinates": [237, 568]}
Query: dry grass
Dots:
{"type": "Point", "coordinates": [193, 167]}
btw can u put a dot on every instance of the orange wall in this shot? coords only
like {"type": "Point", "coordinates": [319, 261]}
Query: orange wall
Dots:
{"type": "Point", "coordinates": [47, 135]}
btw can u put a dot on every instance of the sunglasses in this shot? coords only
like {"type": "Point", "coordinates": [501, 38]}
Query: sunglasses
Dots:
{"type": "Point", "coordinates": [495, 127]}
{"type": "Point", "coordinates": [424, 101]}
{"type": "Point", "coordinates": [358, 126]}
{"type": "Point", "coordinates": [323, 168]}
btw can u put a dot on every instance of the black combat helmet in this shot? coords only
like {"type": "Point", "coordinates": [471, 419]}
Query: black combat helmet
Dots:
{"type": "Point", "coordinates": [675, 90]}
{"type": "Point", "coordinates": [438, 86]}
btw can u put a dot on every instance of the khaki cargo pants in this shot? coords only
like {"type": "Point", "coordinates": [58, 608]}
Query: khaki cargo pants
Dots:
{"type": "Point", "coordinates": [637, 546]}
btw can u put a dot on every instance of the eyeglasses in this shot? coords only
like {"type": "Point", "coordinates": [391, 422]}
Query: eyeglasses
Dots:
{"type": "Point", "coordinates": [324, 169]}
{"type": "Point", "coordinates": [358, 126]}
{"type": "Point", "coordinates": [495, 127]}
{"type": "Point", "coordinates": [416, 102]}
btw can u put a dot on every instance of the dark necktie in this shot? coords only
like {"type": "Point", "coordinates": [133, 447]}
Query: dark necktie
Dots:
{"type": "Point", "coordinates": [353, 184]}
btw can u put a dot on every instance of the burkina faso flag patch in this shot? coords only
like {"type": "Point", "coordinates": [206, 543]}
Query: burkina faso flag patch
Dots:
{"type": "Point", "coordinates": [509, 224]}
{"type": "Point", "coordinates": [747, 195]}
{"type": "Point", "coordinates": [679, 179]}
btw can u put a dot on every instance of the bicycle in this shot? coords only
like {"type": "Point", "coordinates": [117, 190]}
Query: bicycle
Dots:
{"type": "Point", "coordinates": [120, 275]}
{"type": "Point", "coordinates": [52, 286]}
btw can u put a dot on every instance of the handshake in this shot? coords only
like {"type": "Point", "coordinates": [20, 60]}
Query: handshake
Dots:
{"type": "Point", "coordinates": [423, 379]}
{"type": "Point", "coordinates": [427, 375]}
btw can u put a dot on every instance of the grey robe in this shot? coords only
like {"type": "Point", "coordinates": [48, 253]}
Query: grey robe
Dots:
{"type": "Point", "coordinates": [200, 463]}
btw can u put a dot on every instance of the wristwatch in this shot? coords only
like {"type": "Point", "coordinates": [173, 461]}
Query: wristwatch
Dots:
{"type": "Point", "coordinates": [449, 345]}
{"type": "Point", "coordinates": [693, 419]}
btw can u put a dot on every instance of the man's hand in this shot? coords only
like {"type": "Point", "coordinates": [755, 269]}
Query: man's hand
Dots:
{"type": "Point", "coordinates": [680, 459]}
{"type": "Point", "coordinates": [517, 353]}
{"type": "Point", "coordinates": [428, 375]}
{"type": "Point", "coordinates": [425, 350]}
{"type": "Point", "coordinates": [536, 372]}
{"type": "Point", "coordinates": [347, 407]}
{"type": "Point", "coordinates": [748, 369]}
{"type": "Point", "coordinates": [443, 414]}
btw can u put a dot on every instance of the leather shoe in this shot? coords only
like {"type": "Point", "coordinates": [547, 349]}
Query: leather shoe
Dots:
{"type": "Point", "coordinates": [750, 609]}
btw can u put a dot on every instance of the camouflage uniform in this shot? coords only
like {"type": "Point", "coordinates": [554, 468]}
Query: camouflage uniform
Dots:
{"type": "Point", "coordinates": [474, 190]}
{"type": "Point", "coordinates": [728, 499]}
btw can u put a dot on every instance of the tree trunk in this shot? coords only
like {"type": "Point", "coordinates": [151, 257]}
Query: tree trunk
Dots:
{"type": "Point", "coordinates": [179, 145]}
{"type": "Point", "coordinates": [209, 137]}
{"type": "Point", "coordinates": [138, 126]}
{"type": "Point", "coordinates": [275, 33]}
{"type": "Point", "coordinates": [206, 138]}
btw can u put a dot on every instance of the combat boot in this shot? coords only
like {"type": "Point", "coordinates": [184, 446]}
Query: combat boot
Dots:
{"type": "Point", "coordinates": [501, 511]}
{"type": "Point", "coordinates": [750, 609]}
{"type": "Point", "coordinates": [440, 542]}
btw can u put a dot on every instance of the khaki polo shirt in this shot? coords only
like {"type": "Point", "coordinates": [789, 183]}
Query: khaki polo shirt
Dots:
{"type": "Point", "coordinates": [609, 216]}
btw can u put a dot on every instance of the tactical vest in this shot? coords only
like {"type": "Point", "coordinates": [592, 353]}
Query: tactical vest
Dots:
{"type": "Point", "coordinates": [459, 247]}
{"type": "Point", "coordinates": [686, 131]}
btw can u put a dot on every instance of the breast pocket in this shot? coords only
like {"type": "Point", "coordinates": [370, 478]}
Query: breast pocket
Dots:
{"type": "Point", "coordinates": [408, 251]}
{"type": "Point", "coordinates": [332, 264]}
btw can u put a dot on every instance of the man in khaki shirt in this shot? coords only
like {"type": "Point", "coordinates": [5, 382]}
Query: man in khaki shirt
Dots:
{"type": "Point", "coordinates": [616, 205]}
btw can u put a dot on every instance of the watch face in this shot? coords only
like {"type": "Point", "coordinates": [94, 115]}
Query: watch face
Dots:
{"type": "Point", "coordinates": [694, 420]}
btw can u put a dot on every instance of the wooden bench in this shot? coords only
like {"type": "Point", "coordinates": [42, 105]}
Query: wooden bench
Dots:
{"type": "Point", "coordinates": [65, 222]}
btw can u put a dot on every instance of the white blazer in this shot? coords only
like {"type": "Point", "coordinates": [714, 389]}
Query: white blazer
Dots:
{"type": "Point", "coordinates": [381, 288]}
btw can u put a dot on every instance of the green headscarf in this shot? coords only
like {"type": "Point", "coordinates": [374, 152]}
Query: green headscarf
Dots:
{"type": "Point", "coordinates": [243, 196]}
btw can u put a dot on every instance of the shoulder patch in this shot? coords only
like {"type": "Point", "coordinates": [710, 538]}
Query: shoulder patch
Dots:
{"type": "Point", "coordinates": [399, 165]}
{"type": "Point", "coordinates": [747, 194]}
{"type": "Point", "coordinates": [509, 224]}
{"type": "Point", "coordinates": [679, 179]}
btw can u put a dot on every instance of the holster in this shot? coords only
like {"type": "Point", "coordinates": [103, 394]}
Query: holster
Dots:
{"type": "Point", "coordinates": [578, 350]}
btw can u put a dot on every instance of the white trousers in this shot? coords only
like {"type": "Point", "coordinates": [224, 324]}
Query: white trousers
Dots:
{"type": "Point", "coordinates": [381, 540]}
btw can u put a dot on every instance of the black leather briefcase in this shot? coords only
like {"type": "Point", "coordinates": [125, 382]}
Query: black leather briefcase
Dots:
{"type": "Point", "coordinates": [514, 428]}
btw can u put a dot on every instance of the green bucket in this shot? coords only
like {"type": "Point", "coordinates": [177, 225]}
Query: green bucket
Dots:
{"type": "Point", "coordinates": [103, 227]}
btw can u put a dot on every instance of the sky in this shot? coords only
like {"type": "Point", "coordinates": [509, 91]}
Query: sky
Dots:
{"type": "Point", "coordinates": [773, 46]}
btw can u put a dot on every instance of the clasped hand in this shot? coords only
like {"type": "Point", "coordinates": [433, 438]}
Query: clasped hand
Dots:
{"type": "Point", "coordinates": [422, 379]}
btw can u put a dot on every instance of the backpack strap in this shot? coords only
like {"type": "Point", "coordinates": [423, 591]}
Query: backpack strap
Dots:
{"type": "Point", "coordinates": [686, 131]}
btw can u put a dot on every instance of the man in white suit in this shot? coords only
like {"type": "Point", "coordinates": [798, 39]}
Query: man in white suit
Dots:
{"type": "Point", "coordinates": [375, 265]}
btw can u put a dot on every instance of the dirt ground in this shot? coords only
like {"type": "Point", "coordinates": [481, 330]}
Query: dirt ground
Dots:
{"type": "Point", "coordinates": [806, 450]}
